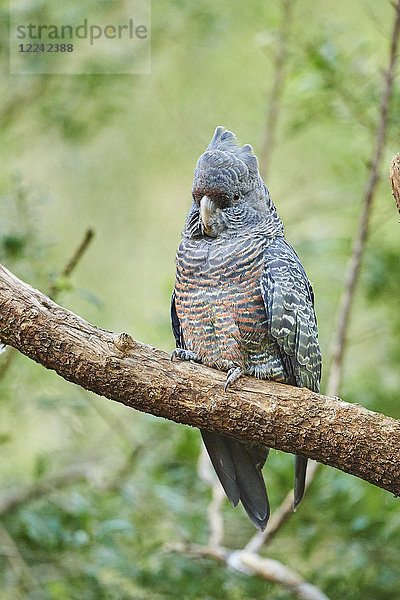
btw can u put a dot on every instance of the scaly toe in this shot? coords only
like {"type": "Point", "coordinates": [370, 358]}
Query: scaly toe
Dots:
{"type": "Point", "coordinates": [183, 354]}
{"type": "Point", "coordinates": [232, 376]}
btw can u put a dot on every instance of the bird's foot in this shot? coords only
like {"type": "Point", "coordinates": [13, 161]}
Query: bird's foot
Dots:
{"type": "Point", "coordinates": [233, 375]}
{"type": "Point", "coordinates": [184, 354]}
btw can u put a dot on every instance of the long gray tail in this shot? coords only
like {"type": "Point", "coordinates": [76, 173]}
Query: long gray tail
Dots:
{"type": "Point", "coordinates": [238, 467]}
{"type": "Point", "coordinates": [300, 471]}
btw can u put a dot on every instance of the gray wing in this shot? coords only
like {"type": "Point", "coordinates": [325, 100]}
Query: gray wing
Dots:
{"type": "Point", "coordinates": [289, 304]}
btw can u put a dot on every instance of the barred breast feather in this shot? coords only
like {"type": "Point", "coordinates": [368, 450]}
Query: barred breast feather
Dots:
{"type": "Point", "coordinates": [219, 302]}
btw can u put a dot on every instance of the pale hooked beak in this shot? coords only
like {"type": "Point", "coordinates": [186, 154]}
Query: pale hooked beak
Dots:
{"type": "Point", "coordinates": [207, 207]}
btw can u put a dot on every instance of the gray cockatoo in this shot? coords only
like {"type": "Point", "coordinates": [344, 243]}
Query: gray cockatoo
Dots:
{"type": "Point", "coordinates": [242, 303]}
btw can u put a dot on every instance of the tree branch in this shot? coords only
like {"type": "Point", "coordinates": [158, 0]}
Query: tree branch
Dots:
{"type": "Point", "coordinates": [73, 261]}
{"type": "Point", "coordinates": [253, 564]}
{"type": "Point", "coordinates": [52, 291]}
{"type": "Point", "coordinates": [346, 436]}
{"type": "Point", "coordinates": [395, 179]}
{"type": "Point", "coordinates": [209, 478]}
{"type": "Point", "coordinates": [275, 95]}
{"type": "Point", "coordinates": [353, 268]}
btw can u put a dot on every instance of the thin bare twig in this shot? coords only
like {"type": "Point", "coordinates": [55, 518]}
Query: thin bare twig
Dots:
{"type": "Point", "coordinates": [215, 520]}
{"type": "Point", "coordinates": [124, 471]}
{"type": "Point", "coordinates": [53, 292]}
{"type": "Point", "coordinates": [73, 261]}
{"type": "Point", "coordinates": [88, 471]}
{"type": "Point", "coordinates": [395, 179]}
{"type": "Point", "coordinates": [274, 99]}
{"type": "Point", "coordinates": [253, 564]}
{"type": "Point", "coordinates": [285, 510]}
{"type": "Point", "coordinates": [14, 499]}
{"type": "Point", "coordinates": [353, 269]}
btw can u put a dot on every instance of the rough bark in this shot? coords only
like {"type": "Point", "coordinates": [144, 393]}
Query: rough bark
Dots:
{"type": "Point", "coordinates": [329, 430]}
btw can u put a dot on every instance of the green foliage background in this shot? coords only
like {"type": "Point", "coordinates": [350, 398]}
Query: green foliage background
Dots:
{"type": "Point", "coordinates": [117, 153]}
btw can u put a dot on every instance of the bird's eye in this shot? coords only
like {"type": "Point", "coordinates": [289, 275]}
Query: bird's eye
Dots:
{"type": "Point", "coordinates": [222, 201]}
{"type": "Point", "coordinates": [236, 197]}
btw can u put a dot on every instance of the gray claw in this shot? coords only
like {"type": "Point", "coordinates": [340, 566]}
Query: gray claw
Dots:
{"type": "Point", "coordinates": [183, 354]}
{"type": "Point", "coordinates": [233, 375]}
